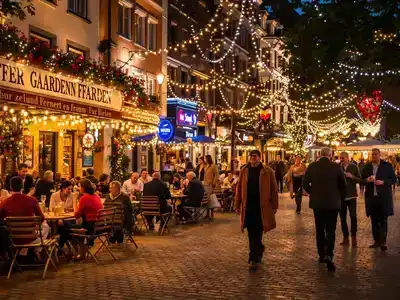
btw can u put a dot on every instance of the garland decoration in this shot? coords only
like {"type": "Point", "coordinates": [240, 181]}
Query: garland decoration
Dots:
{"type": "Point", "coordinates": [14, 46]}
{"type": "Point", "coordinates": [11, 136]}
{"type": "Point", "coordinates": [119, 162]}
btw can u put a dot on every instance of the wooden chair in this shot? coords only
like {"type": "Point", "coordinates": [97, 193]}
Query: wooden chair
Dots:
{"type": "Point", "coordinates": [29, 228]}
{"type": "Point", "coordinates": [150, 206]}
{"type": "Point", "coordinates": [118, 226]}
{"type": "Point", "coordinates": [103, 229]}
{"type": "Point", "coordinates": [203, 207]}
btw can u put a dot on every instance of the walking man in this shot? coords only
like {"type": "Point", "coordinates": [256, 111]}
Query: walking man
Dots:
{"type": "Point", "coordinates": [379, 177]}
{"type": "Point", "coordinates": [324, 181]}
{"type": "Point", "coordinates": [279, 168]}
{"type": "Point", "coordinates": [353, 177]}
{"type": "Point", "coordinates": [256, 202]}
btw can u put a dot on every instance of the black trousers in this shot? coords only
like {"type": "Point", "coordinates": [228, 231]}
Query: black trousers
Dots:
{"type": "Point", "coordinates": [255, 233]}
{"type": "Point", "coordinates": [379, 222]}
{"type": "Point", "coordinates": [298, 191]}
{"type": "Point", "coordinates": [279, 181]}
{"type": "Point", "coordinates": [149, 219]}
{"type": "Point", "coordinates": [325, 227]}
{"type": "Point", "coordinates": [351, 206]}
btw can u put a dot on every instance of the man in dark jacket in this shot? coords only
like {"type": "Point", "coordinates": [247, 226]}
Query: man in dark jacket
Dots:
{"type": "Point", "coordinates": [379, 177]}
{"type": "Point", "coordinates": [119, 200]}
{"type": "Point", "coordinates": [279, 168]}
{"type": "Point", "coordinates": [194, 191]}
{"type": "Point", "coordinates": [23, 173]}
{"type": "Point", "coordinates": [157, 188]}
{"type": "Point", "coordinates": [324, 181]}
{"type": "Point", "coordinates": [350, 201]}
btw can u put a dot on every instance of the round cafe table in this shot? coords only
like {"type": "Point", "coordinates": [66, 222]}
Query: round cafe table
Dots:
{"type": "Point", "coordinates": [52, 220]}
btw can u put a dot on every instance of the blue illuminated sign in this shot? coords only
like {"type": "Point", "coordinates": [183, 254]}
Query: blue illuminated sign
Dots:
{"type": "Point", "coordinates": [166, 130]}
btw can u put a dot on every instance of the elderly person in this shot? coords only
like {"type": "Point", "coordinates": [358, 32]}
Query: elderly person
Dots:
{"type": "Point", "coordinates": [157, 188]}
{"type": "Point", "coordinates": [133, 185]}
{"type": "Point", "coordinates": [379, 177]}
{"type": "Point", "coordinates": [325, 182]}
{"type": "Point", "coordinates": [118, 199]}
{"type": "Point", "coordinates": [64, 195]}
{"type": "Point", "coordinates": [45, 187]}
{"type": "Point", "coordinates": [195, 192]}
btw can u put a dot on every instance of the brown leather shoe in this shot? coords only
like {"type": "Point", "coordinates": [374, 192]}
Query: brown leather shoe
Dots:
{"type": "Point", "coordinates": [345, 241]}
{"type": "Point", "coordinates": [354, 241]}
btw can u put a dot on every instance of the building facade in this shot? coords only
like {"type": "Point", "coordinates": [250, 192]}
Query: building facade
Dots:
{"type": "Point", "coordinates": [133, 35]}
{"type": "Point", "coordinates": [72, 96]}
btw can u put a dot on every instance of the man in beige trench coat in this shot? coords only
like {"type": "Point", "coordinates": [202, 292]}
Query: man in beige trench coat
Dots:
{"type": "Point", "coordinates": [256, 202]}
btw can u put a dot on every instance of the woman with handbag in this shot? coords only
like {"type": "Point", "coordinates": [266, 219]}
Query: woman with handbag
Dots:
{"type": "Point", "coordinates": [295, 181]}
{"type": "Point", "coordinates": [210, 182]}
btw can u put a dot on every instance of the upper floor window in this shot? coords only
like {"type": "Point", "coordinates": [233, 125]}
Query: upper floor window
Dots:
{"type": "Point", "coordinates": [152, 34]}
{"type": "Point", "coordinates": [78, 7]}
{"type": "Point", "coordinates": [77, 51]}
{"type": "Point", "coordinates": [140, 27]}
{"type": "Point", "coordinates": [37, 34]}
{"type": "Point", "coordinates": [124, 20]}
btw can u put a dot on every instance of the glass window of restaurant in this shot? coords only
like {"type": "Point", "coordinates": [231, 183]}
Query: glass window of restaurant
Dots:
{"type": "Point", "coordinates": [47, 151]}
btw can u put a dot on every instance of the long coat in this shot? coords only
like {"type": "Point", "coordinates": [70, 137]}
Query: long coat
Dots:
{"type": "Point", "coordinates": [268, 197]}
{"type": "Point", "coordinates": [386, 173]}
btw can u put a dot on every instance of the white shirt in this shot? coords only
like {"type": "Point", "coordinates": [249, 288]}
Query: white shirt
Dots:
{"type": "Point", "coordinates": [55, 199]}
{"type": "Point", "coordinates": [148, 179]}
{"type": "Point", "coordinates": [128, 187]}
{"type": "Point", "coordinates": [374, 171]}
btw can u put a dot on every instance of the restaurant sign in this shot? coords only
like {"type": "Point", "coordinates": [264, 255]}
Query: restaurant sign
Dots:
{"type": "Point", "coordinates": [33, 80]}
{"type": "Point", "coordinates": [35, 100]}
{"type": "Point", "coordinates": [166, 130]}
{"type": "Point", "coordinates": [186, 117]}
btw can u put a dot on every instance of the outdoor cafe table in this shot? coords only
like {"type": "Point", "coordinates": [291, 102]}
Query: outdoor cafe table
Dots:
{"type": "Point", "coordinates": [52, 220]}
{"type": "Point", "coordinates": [63, 216]}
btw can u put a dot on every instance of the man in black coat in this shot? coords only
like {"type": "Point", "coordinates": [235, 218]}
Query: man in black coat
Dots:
{"type": "Point", "coordinates": [157, 188]}
{"type": "Point", "coordinates": [23, 173]}
{"type": "Point", "coordinates": [324, 181]}
{"type": "Point", "coordinates": [194, 191]}
{"type": "Point", "coordinates": [379, 177]}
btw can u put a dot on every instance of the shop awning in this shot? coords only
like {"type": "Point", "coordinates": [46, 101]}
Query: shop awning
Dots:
{"type": "Point", "coordinates": [144, 138]}
{"type": "Point", "coordinates": [150, 137]}
{"type": "Point", "coordinates": [203, 139]}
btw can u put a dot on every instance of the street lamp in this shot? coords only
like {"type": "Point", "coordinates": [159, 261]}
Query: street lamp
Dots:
{"type": "Point", "coordinates": [160, 78]}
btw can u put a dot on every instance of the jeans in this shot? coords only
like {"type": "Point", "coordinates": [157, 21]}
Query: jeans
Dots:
{"type": "Point", "coordinates": [325, 226]}
{"type": "Point", "coordinates": [379, 222]}
{"type": "Point", "coordinates": [351, 205]}
{"type": "Point", "coordinates": [255, 233]}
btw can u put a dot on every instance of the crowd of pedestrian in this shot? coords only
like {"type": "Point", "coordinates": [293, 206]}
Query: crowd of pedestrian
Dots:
{"type": "Point", "coordinates": [332, 185]}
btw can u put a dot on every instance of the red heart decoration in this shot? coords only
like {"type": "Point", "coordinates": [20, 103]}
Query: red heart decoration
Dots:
{"type": "Point", "coordinates": [370, 106]}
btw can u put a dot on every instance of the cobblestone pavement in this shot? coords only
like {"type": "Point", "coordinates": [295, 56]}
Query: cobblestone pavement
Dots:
{"type": "Point", "coordinates": [208, 261]}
